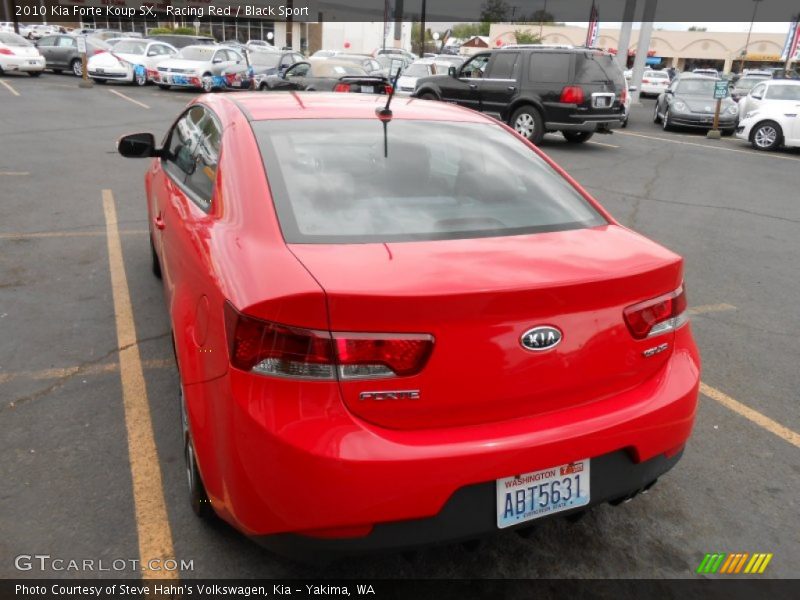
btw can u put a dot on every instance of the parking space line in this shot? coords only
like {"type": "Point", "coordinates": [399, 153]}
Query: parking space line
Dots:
{"type": "Point", "coordinates": [710, 308]}
{"type": "Point", "coordinates": [601, 144]}
{"type": "Point", "coordinates": [64, 372]}
{"type": "Point", "coordinates": [128, 98]}
{"type": "Point", "coordinates": [709, 146]}
{"type": "Point", "coordinates": [59, 234]}
{"type": "Point", "coordinates": [9, 88]}
{"type": "Point", "coordinates": [751, 415]}
{"type": "Point", "coordinates": [152, 523]}
{"type": "Point", "coordinates": [14, 173]}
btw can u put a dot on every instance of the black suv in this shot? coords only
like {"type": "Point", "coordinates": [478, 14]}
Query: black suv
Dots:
{"type": "Point", "coordinates": [536, 89]}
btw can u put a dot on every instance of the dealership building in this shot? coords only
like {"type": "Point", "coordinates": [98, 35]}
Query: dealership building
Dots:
{"type": "Point", "coordinates": [683, 50]}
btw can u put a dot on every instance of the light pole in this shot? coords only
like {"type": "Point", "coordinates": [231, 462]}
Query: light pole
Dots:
{"type": "Point", "coordinates": [749, 31]}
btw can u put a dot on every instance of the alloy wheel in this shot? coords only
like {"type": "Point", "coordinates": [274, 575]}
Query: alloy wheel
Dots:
{"type": "Point", "coordinates": [525, 125]}
{"type": "Point", "coordinates": [77, 68]}
{"type": "Point", "coordinates": [765, 136]}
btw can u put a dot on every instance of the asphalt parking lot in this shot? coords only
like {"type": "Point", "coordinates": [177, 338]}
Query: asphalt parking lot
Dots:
{"type": "Point", "coordinates": [65, 452]}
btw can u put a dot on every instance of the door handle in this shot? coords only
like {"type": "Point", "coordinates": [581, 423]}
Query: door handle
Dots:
{"type": "Point", "coordinates": [512, 88]}
{"type": "Point", "coordinates": [473, 86]}
{"type": "Point", "coordinates": [159, 222]}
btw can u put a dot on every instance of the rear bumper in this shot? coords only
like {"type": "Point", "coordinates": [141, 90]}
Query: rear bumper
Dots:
{"type": "Point", "coordinates": [595, 124]}
{"type": "Point", "coordinates": [469, 514]}
{"type": "Point", "coordinates": [278, 457]}
{"type": "Point", "coordinates": [112, 75]}
{"type": "Point", "coordinates": [24, 65]}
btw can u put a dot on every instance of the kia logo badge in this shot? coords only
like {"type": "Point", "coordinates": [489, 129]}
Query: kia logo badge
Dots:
{"type": "Point", "coordinates": [540, 338]}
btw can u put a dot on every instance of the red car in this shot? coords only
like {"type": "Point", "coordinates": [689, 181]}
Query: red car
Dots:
{"type": "Point", "coordinates": [401, 328]}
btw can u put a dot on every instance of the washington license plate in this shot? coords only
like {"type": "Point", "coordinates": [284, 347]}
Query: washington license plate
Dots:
{"type": "Point", "coordinates": [367, 89]}
{"type": "Point", "coordinates": [534, 495]}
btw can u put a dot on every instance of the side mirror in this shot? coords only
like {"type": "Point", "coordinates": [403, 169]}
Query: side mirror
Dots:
{"type": "Point", "coordinates": [138, 145]}
{"type": "Point", "coordinates": [451, 71]}
{"type": "Point", "coordinates": [757, 97]}
{"type": "Point", "coordinates": [216, 61]}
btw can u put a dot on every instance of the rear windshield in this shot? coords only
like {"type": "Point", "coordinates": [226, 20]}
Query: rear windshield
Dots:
{"type": "Point", "coordinates": [12, 39]}
{"type": "Point", "coordinates": [597, 68]}
{"type": "Point", "coordinates": [130, 47]}
{"type": "Point", "coordinates": [746, 83]}
{"type": "Point", "coordinates": [332, 182]}
{"type": "Point", "coordinates": [417, 70]}
{"type": "Point", "coordinates": [696, 87]}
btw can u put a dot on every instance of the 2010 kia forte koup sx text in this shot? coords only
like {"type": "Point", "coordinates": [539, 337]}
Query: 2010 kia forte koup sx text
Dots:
{"type": "Point", "coordinates": [406, 326]}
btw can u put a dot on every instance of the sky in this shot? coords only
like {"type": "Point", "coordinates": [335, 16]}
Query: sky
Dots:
{"type": "Point", "coordinates": [766, 27]}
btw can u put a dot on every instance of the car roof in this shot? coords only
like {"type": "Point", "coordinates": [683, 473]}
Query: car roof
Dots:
{"type": "Point", "coordinates": [258, 106]}
{"type": "Point", "coordinates": [794, 82]}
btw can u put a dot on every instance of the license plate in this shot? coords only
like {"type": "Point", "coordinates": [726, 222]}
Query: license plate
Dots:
{"type": "Point", "coordinates": [179, 80]}
{"type": "Point", "coordinates": [101, 70]}
{"type": "Point", "coordinates": [538, 494]}
{"type": "Point", "coordinates": [367, 89]}
{"type": "Point", "coordinates": [32, 62]}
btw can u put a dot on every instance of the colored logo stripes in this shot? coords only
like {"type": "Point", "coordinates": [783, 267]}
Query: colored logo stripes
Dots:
{"type": "Point", "coordinates": [737, 562]}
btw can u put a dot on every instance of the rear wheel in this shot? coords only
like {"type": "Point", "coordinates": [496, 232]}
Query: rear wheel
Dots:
{"type": "Point", "coordinates": [100, 81]}
{"type": "Point", "coordinates": [207, 83]}
{"type": "Point", "coordinates": [428, 96]}
{"type": "Point", "coordinates": [198, 498]}
{"type": "Point", "coordinates": [577, 137]}
{"type": "Point", "coordinates": [527, 122]}
{"type": "Point", "coordinates": [766, 136]}
{"type": "Point", "coordinates": [34, 73]}
{"type": "Point", "coordinates": [57, 71]}
{"type": "Point", "coordinates": [140, 79]}
{"type": "Point", "coordinates": [161, 86]}
{"type": "Point", "coordinates": [76, 66]}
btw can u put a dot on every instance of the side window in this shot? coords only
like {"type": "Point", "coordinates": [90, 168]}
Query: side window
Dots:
{"type": "Point", "coordinates": [549, 67]}
{"type": "Point", "coordinates": [758, 91]}
{"type": "Point", "coordinates": [219, 56]}
{"type": "Point", "coordinates": [286, 61]}
{"type": "Point", "coordinates": [503, 65]}
{"type": "Point", "coordinates": [206, 159]}
{"type": "Point", "coordinates": [476, 67]}
{"type": "Point", "coordinates": [47, 41]}
{"type": "Point", "coordinates": [297, 58]}
{"type": "Point", "coordinates": [183, 138]}
{"type": "Point", "coordinates": [234, 56]}
{"type": "Point", "coordinates": [67, 42]}
{"type": "Point", "coordinates": [298, 71]}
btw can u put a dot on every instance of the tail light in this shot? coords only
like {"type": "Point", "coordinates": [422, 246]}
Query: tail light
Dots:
{"type": "Point", "coordinates": [96, 52]}
{"type": "Point", "coordinates": [572, 94]}
{"type": "Point", "coordinates": [658, 315]}
{"type": "Point", "coordinates": [645, 81]}
{"type": "Point", "coordinates": [342, 87]}
{"type": "Point", "coordinates": [388, 89]}
{"type": "Point", "coordinates": [6, 51]}
{"type": "Point", "coordinates": [273, 349]}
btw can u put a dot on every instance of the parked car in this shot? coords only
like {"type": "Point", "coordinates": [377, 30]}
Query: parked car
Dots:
{"type": "Point", "coordinates": [707, 72]}
{"type": "Point", "coordinates": [774, 123]}
{"type": "Point", "coordinates": [130, 60]}
{"type": "Point", "coordinates": [369, 64]}
{"type": "Point", "coordinates": [107, 34]}
{"type": "Point", "coordinates": [390, 63]}
{"type": "Point", "coordinates": [260, 45]}
{"type": "Point", "coordinates": [626, 104]}
{"type": "Point", "coordinates": [326, 53]}
{"type": "Point", "coordinates": [8, 27]}
{"type": "Point", "coordinates": [198, 67]}
{"type": "Point", "coordinates": [654, 82]}
{"type": "Point", "coordinates": [61, 52]}
{"type": "Point", "coordinates": [19, 55]}
{"type": "Point", "coordinates": [424, 67]}
{"type": "Point", "coordinates": [332, 253]}
{"type": "Point", "coordinates": [746, 83]}
{"type": "Point", "coordinates": [261, 65]}
{"type": "Point", "coordinates": [689, 102]}
{"type": "Point", "coordinates": [397, 51]}
{"type": "Point", "coordinates": [782, 92]}
{"type": "Point", "coordinates": [327, 74]}
{"type": "Point", "coordinates": [181, 41]}
{"type": "Point", "coordinates": [537, 90]}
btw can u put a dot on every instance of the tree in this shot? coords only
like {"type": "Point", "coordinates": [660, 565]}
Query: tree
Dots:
{"type": "Point", "coordinates": [526, 37]}
{"type": "Point", "coordinates": [495, 11]}
{"type": "Point", "coordinates": [465, 31]}
{"type": "Point", "coordinates": [429, 41]}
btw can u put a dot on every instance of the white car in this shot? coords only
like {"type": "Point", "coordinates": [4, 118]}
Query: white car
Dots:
{"type": "Point", "coordinates": [766, 92]}
{"type": "Point", "coordinates": [707, 72]}
{"type": "Point", "coordinates": [774, 123]}
{"type": "Point", "coordinates": [131, 60]}
{"type": "Point", "coordinates": [18, 54]}
{"type": "Point", "coordinates": [654, 82]}
{"type": "Point", "coordinates": [420, 68]}
{"type": "Point", "coordinates": [36, 32]}
{"type": "Point", "coordinates": [199, 66]}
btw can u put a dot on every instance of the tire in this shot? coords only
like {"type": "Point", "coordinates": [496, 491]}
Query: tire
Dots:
{"type": "Point", "coordinates": [665, 121]}
{"type": "Point", "coordinates": [100, 81]}
{"type": "Point", "coordinates": [1, 72]}
{"type": "Point", "coordinates": [76, 66]}
{"type": "Point", "coordinates": [656, 118]}
{"type": "Point", "coordinates": [140, 79]}
{"type": "Point", "coordinates": [57, 71]}
{"type": "Point", "coordinates": [577, 137]}
{"type": "Point", "coordinates": [156, 264]}
{"type": "Point", "coordinates": [766, 136]}
{"type": "Point", "coordinates": [263, 87]}
{"type": "Point", "coordinates": [207, 83]}
{"type": "Point", "coordinates": [428, 96]}
{"type": "Point", "coordinates": [528, 122]}
{"type": "Point", "coordinates": [198, 498]}
{"type": "Point", "coordinates": [162, 86]}
{"type": "Point", "coordinates": [34, 73]}
{"type": "Point", "coordinates": [624, 123]}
